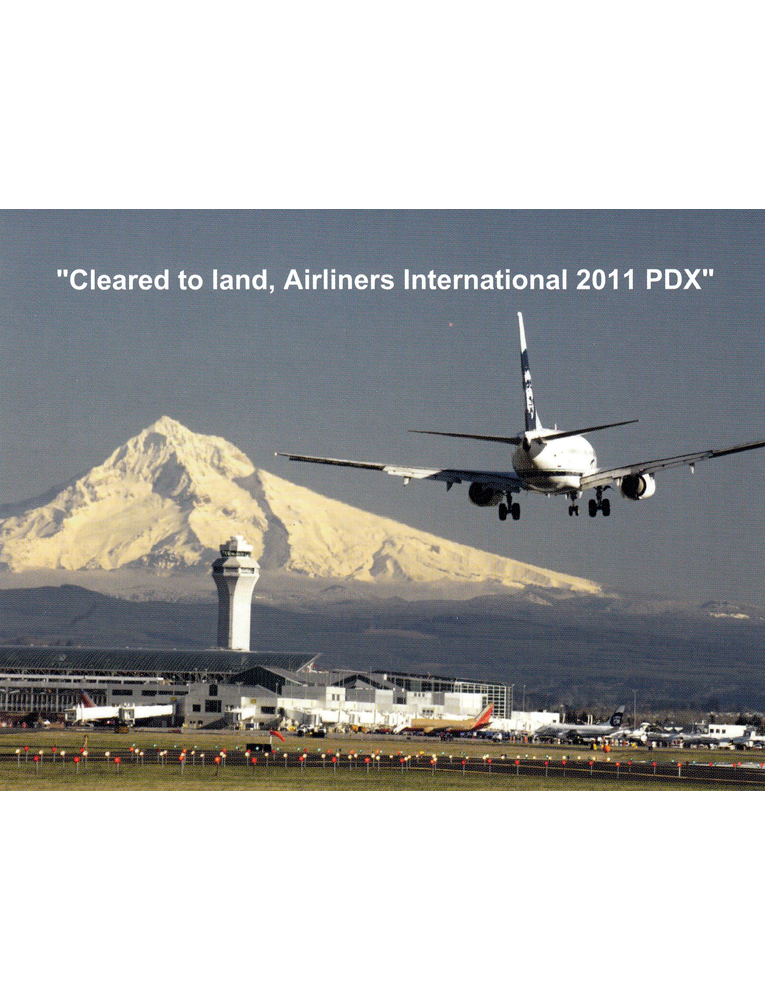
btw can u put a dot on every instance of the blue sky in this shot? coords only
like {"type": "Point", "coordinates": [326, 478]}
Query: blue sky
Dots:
{"type": "Point", "coordinates": [347, 373]}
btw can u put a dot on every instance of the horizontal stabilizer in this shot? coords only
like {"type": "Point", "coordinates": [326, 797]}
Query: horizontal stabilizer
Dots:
{"type": "Point", "coordinates": [541, 435]}
{"type": "Point", "coordinates": [475, 437]}
{"type": "Point", "coordinates": [546, 436]}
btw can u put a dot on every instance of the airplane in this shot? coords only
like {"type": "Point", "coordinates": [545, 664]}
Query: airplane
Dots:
{"type": "Point", "coordinates": [748, 740]}
{"type": "Point", "coordinates": [580, 731]}
{"type": "Point", "coordinates": [545, 460]}
{"type": "Point", "coordinates": [646, 734]}
{"type": "Point", "coordinates": [705, 739]}
{"type": "Point", "coordinates": [433, 725]}
{"type": "Point", "coordinates": [86, 710]}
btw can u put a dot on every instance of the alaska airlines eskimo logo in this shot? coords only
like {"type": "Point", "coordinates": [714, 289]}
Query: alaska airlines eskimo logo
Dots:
{"type": "Point", "coordinates": [529, 399]}
{"type": "Point", "coordinates": [527, 384]}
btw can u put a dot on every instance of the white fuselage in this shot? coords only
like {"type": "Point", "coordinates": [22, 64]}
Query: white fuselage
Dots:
{"type": "Point", "coordinates": [553, 466]}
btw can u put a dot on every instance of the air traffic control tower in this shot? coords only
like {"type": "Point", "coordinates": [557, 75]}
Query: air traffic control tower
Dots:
{"type": "Point", "coordinates": [235, 574]}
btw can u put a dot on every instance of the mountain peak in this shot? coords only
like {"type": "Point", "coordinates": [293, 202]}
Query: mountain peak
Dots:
{"type": "Point", "coordinates": [166, 450]}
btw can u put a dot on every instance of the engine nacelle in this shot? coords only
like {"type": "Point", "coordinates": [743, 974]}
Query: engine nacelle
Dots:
{"type": "Point", "coordinates": [484, 496]}
{"type": "Point", "coordinates": [638, 487]}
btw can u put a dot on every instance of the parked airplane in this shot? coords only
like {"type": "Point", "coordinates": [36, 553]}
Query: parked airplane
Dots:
{"type": "Point", "coordinates": [646, 733]}
{"type": "Point", "coordinates": [86, 710]}
{"type": "Point", "coordinates": [748, 740]}
{"type": "Point", "coordinates": [706, 739]}
{"type": "Point", "coordinates": [545, 460]}
{"type": "Point", "coordinates": [580, 731]}
{"type": "Point", "coordinates": [448, 725]}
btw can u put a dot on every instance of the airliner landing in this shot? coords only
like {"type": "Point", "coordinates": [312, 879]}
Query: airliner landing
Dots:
{"type": "Point", "coordinates": [545, 460]}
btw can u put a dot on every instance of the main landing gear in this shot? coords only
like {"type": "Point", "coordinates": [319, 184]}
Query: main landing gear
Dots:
{"type": "Point", "coordinates": [600, 504]}
{"type": "Point", "coordinates": [512, 508]}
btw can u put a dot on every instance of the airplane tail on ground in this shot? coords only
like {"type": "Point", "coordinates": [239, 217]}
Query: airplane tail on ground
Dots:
{"type": "Point", "coordinates": [484, 718]}
{"type": "Point", "coordinates": [86, 700]}
{"type": "Point", "coordinates": [533, 422]}
{"type": "Point", "coordinates": [616, 718]}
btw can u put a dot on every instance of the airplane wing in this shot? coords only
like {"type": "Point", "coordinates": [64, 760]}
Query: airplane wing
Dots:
{"type": "Point", "coordinates": [609, 477]}
{"type": "Point", "coordinates": [507, 481]}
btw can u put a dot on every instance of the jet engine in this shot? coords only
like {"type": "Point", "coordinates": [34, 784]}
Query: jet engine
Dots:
{"type": "Point", "coordinates": [484, 496]}
{"type": "Point", "coordinates": [638, 486]}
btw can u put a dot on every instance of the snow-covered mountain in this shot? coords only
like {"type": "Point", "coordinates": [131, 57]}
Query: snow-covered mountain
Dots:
{"type": "Point", "coordinates": [166, 499]}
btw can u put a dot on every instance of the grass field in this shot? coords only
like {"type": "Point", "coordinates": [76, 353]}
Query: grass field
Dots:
{"type": "Point", "coordinates": [55, 771]}
{"type": "Point", "coordinates": [154, 778]}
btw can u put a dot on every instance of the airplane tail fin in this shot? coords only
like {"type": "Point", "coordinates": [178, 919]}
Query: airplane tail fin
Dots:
{"type": "Point", "coordinates": [616, 718]}
{"type": "Point", "coordinates": [86, 700]}
{"type": "Point", "coordinates": [533, 422]}
{"type": "Point", "coordinates": [485, 717]}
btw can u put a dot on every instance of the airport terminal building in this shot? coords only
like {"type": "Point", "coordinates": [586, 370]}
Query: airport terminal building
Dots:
{"type": "Point", "coordinates": [216, 687]}
{"type": "Point", "coordinates": [231, 685]}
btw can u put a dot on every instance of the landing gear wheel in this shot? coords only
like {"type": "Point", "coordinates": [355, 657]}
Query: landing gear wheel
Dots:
{"type": "Point", "coordinates": [606, 507]}
{"type": "Point", "coordinates": [503, 511]}
{"type": "Point", "coordinates": [573, 509]}
{"type": "Point", "coordinates": [515, 510]}
{"type": "Point", "coordinates": [592, 506]}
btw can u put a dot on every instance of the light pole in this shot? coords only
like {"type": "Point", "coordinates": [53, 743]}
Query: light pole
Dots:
{"type": "Point", "coordinates": [524, 697]}
{"type": "Point", "coordinates": [634, 708]}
